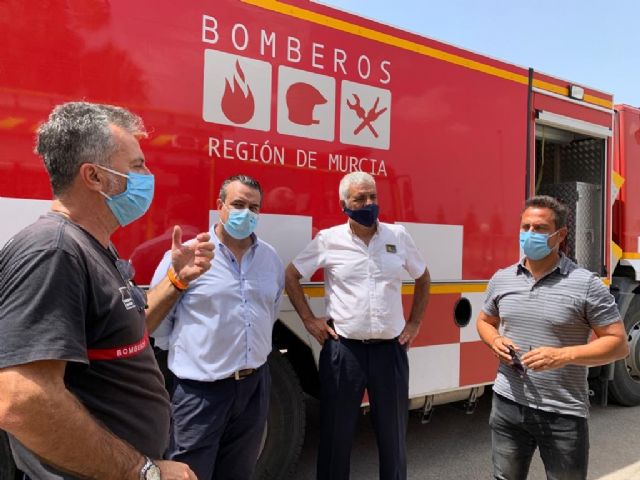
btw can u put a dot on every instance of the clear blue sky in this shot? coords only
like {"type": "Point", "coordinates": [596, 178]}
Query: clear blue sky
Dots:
{"type": "Point", "coordinates": [594, 43]}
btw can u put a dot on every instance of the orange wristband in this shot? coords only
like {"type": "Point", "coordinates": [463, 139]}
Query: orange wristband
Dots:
{"type": "Point", "coordinates": [175, 281]}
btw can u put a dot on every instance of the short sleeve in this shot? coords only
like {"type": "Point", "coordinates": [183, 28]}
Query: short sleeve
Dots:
{"type": "Point", "coordinates": [600, 306]}
{"type": "Point", "coordinates": [414, 264]}
{"type": "Point", "coordinates": [490, 306]}
{"type": "Point", "coordinates": [162, 333]}
{"type": "Point", "coordinates": [43, 307]}
{"type": "Point", "coordinates": [312, 257]}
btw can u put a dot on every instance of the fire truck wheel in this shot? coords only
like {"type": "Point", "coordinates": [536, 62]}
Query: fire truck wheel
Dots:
{"type": "Point", "coordinates": [284, 434]}
{"type": "Point", "coordinates": [7, 467]}
{"type": "Point", "coordinates": [625, 386]}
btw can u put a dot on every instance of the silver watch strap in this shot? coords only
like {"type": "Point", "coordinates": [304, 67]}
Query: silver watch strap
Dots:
{"type": "Point", "coordinates": [148, 463]}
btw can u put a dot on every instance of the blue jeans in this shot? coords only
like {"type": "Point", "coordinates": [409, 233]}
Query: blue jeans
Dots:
{"type": "Point", "coordinates": [517, 430]}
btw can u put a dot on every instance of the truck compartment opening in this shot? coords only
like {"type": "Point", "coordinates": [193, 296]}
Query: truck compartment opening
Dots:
{"type": "Point", "coordinates": [570, 166]}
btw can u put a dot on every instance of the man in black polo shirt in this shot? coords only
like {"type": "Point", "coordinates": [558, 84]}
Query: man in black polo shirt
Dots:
{"type": "Point", "coordinates": [82, 396]}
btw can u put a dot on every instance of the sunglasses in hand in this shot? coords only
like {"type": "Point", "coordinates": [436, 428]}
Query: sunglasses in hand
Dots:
{"type": "Point", "coordinates": [516, 361]}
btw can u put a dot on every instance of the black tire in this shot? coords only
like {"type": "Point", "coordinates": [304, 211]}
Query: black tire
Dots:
{"type": "Point", "coordinates": [625, 386]}
{"type": "Point", "coordinates": [285, 423]}
{"type": "Point", "coordinates": [8, 469]}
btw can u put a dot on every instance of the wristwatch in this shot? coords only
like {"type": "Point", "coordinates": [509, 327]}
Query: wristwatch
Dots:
{"type": "Point", "coordinates": [150, 471]}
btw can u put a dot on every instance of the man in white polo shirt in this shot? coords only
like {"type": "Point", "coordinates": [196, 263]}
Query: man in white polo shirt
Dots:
{"type": "Point", "coordinates": [365, 336]}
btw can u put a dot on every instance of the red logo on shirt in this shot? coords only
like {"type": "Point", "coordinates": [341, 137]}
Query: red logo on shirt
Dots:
{"type": "Point", "coordinates": [124, 351]}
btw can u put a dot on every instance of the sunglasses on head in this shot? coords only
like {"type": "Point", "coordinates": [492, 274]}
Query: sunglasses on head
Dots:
{"type": "Point", "coordinates": [127, 272]}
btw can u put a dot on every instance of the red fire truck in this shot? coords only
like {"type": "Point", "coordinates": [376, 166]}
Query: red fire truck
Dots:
{"type": "Point", "coordinates": [297, 94]}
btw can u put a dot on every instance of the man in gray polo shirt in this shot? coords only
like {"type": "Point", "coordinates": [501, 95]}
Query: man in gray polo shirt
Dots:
{"type": "Point", "coordinates": [537, 318]}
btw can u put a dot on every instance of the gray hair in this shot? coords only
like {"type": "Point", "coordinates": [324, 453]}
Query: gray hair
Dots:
{"type": "Point", "coordinates": [77, 133]}
{"type": "Point", "coordinates": [353, 178]}
{"type": "Point", "coordinates": [556, 206]}
{"type": "Point", "coordinates": [243, 179]}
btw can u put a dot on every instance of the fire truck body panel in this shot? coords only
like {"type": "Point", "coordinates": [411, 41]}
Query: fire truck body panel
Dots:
{"type": "Point", "coordinates": [627, 155]}
{"type": "Point", "coordinates": [467, 111]}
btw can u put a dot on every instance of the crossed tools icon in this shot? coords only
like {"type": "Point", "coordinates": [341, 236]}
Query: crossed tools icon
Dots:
{"type": "Point", "coordinates": [367, 117]}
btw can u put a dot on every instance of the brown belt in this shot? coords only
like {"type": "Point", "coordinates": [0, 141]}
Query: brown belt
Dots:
{"type": "Point", "coordinates": [240, 374]}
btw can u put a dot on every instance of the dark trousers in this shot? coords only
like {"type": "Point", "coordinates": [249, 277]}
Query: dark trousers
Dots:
{"type": "Point", "coordinates": [217, 427]}
{"type": "Point", "coordinates": [347, 367]}
{"type": "Point", "coordinates": [517, 430]}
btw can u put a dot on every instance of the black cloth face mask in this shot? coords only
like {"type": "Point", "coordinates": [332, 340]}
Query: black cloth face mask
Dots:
{"type": "Point", "coordinates": [365, 216]}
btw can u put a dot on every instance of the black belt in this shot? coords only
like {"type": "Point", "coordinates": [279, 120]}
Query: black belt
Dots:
{"type": "Point", "coordinates": [240, 374]}
{"type": "Point", "coordinates": [369, 341]}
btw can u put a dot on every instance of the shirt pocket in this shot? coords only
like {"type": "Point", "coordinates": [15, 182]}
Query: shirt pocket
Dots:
{"type": "Point", "coordinates": [391, 265]}
{"type": "Point", "coordinates": [562, 310]}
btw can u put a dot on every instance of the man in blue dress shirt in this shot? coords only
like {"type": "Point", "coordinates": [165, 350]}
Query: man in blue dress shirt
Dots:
{"type": "Point", "coordinates": [218, 337]}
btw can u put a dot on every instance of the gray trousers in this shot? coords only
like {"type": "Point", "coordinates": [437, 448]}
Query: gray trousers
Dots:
{"type": "Point", "coordinates": [516, 431]}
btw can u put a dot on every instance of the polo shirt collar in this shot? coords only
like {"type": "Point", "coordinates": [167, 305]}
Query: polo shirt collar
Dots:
{"type": "Point", "coordinates": [563, 265]}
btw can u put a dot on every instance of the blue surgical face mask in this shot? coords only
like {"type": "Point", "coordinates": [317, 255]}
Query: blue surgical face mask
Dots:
{"type": "Point", "coordinates": [240, 223]}
{"type": "Point", "coordinates": [134, 201]}
{"type": "Point", "coordinates": [536, 245]}
{"type": "Point", "coordinates": [366, 216]}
